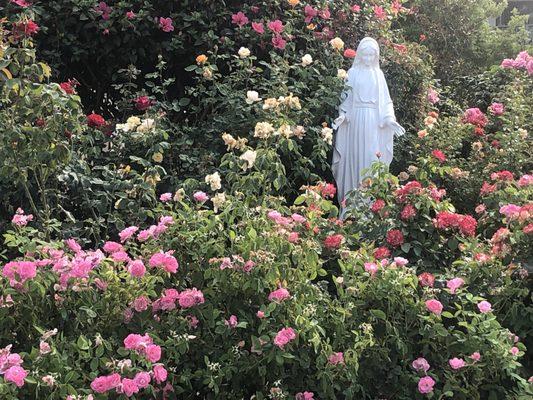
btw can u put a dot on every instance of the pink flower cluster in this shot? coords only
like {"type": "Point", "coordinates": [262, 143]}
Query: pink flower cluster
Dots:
{"type": "Point", "coordinates": [10, 367]}
{"type": "Point", "coordinates": [284, 336]}
{"type": "Point", "coordinates": [235, 262]}
{"type": "Point", "coordinates": [154, 230]}
{"type": "Point", "coordinates": [143, 345]}
{"type": "Point", "coordinates": [186, 299]}
{"type": "Point", "coordinates": [522, 61]}
{"type": "Point", "coordinates": [336, 358]}
{"type": "Point", "coordinates": [20, 219]}
{"type": "Point", "coordinates": [128, 386]}
{"type": "Point", "coordinates": [475, 116]}
{"type": "Point", "coordinates": [426, 383]}
{"type": "Point", "coordinates": [19, 272]}
{"type": "Point", "coordinates": [165, 261]}
{"type": "Point", "coordinates": [447, 220]}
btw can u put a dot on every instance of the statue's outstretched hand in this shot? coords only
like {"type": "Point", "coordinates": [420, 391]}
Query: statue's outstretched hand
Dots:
{"type": "Point", "coordinates": [338, 121]}
{"type": "Point", "coordinates": [397, 129]}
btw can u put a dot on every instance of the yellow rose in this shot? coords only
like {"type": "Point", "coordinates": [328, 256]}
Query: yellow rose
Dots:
{"type": "Point", "coordinates": [337, 43]}
{"type": "Point", "coordinates": [293, 2]}
{"type": "Point", "coordinates": [157, 157]}
{"type": "Point", "coordinates": [201, 59]}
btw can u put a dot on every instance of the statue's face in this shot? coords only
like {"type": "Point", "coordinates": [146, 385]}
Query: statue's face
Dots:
{"type": "Point", "coordinates": [368, 55]}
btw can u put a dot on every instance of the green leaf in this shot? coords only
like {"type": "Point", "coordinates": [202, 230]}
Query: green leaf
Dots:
{"type": "Point", "coordinates": [378, 314]}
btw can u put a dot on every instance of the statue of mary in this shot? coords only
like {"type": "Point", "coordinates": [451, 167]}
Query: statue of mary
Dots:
{"type": "Point", "coordinates": [366, 124]}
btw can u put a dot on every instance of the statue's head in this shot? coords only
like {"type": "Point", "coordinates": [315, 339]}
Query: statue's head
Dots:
{"type": "Point", "coordinates": [367, 53]}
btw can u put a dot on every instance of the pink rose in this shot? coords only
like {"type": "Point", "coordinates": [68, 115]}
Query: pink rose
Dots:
{"type": "Point", "coordinates": [239, 19]}
{"type": "Point", "coordinates": [275, 26]}
{"type": "Point", "coordinates": [190, 298]}
{"type": "Point", "coordinates": [16, 375]}
{"type": "Point", "coordinates": [166, 24]}
{"type": "Point", "coordinates": [484, 306]}
{"type": "Point", "coordinates": [258, 27]}
{"type": "Point", "coordinates": [475, 356]}
{"type": "Point", "coordinates": [434, 306]}
{"type": "Point", "coordinates": [200, 197]}
{"type": "Point", "coordinates": [420, 364]}
{"type": "Point", "coordinates": [425, 385]}
{"type": "Point", "coordinates": [278, 42]}
{"type": "Point", "coordinates": [456, 363]}
{"type": "Point", "coordinates": [497, 108]}
{"type": "Point", "coordinates": [153, 353]}
{"type": "Point", "coordinates": [400, 261]}
{"type": "Point", "coordinates": [127, 233]}
{"type": "Point", "coordinates": [231, 322]}
{"type": "Point", "coordinates": [165, 197]}
{"type": "Point", "coordinates": [371, 268]}
{"type": "Point", "coordinates": [336, 358]}
{"type": "Point", "coordinates": [514, 351]}
{"type": "Point", "coordinates": [160, 373]}
{"type": "Point", "coordinates": [142, 379]}
{"type": "Point", "coordinates": [136, 268]}
{"type": "Point", "coordinates": [141, 303]}
{"type": "Point", "coordinates": [454, 284]}
{"type": "Point", "coordinates": [279, 295]}
{"type": "Point", "coordinates": [284, 336]}
{"type": "Point", "coordinates": [260, 314]}
{"type": "Point", "coordinates": [129, 387]}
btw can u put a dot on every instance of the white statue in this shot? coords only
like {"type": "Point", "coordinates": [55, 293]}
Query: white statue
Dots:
{"type": "Point", "coordinates": [366, 124]}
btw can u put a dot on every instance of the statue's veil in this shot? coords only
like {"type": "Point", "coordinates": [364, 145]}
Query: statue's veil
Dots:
{"type": "Point", "coordinates": [367, 42]}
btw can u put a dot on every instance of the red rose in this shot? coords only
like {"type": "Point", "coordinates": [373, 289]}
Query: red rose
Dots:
{"type": "Point", "coordinates": [467, 225]}
{"type": "Point", "coordinates": [333, 242]}
{"type": "Point", "coordinates": [426, 279]}
{"type": "Point", "coordinates": [328, 190]}
{"type": "Point", "coordinates": [349, 53]}
{"type": "Point", "coordinates": [95, 120]}
{"type": "Point", "coordinates": [377, 206]}
{"type": "Point", "coordinates": [395, 237]}
{"type": "Point", "coordinates": [67, 87]}
{"type": "Point", "coordinates": [28, 28]}
{"type": "Point", "coordinates": [381, 253]}
{"type": "Point", "coordinates": [143, 103]}
{"type": "Point", "coordinates": [408, 212]}
{"type": "Point", "coordinates": [479, 131]}
{"type": "Point", "coordinates": [40, 122]}
{"type": "Point", "coordinates": [439, 155]}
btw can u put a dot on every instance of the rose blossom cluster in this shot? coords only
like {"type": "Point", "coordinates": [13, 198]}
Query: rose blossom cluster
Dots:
{"type": "Point", "coordinates": [475, 116]}
{"type": "Point", "coordinates": [235, 262]}
{"type": "Point", "coordinates": [284, 336]}
{"type": "Point", "coordinates": [10, 367]}
{"type": "Point", "coordinates": [143, 345]}
{"type": "Point", "coordinates": [129, 386]}
{"type": "Point", "coordinates": [21, 219]}
{"type": "Point", "coordinates": [186, 299]}
{"type": "Point", "coordinates": [522, 61]}
{"type": "Point", "coordinates": [466, 224]}
{"type": "Point", "coordinates": [425, 383]}
{"type": "Point", "coordinates": [155, 230]}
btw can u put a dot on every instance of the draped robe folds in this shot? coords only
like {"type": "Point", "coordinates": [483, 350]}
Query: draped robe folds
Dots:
{"type": "Point", "coordinates": [362, 131]}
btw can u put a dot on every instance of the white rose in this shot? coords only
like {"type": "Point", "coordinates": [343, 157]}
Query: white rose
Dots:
{"type": "Point", "coordinates": [252, 96]}
{"type": "Point", "coordinates": [263, 130]}
{"type": "Point", "coordinates": [341, 73]}
{"type": "Point", "coordinates": [249, 156]}
{"type": "Point", "coordinates": [244, 52]}
{"type": "Point", "coordinates": [146, 125]}
{"type": "Point", "coordinates": [327, 135]}
{"type": "Point", "coordinates": [213, 180]}
{"type": "Point", "coordinates": [218, 201]}
{"type": "Point", "coordinates": [307, 60]}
